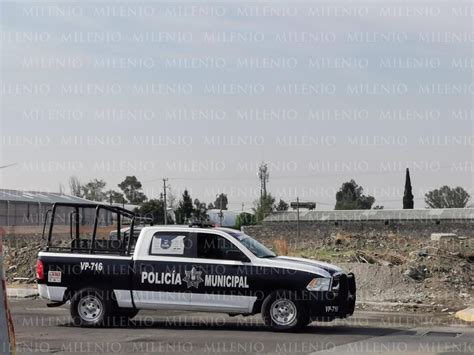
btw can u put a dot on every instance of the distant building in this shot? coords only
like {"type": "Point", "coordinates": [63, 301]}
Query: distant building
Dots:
{"type": "Point", "coordinates": [427, 214]}
{"type": "Point", "coordinates": [417, 223]}
{"type": "Point", "coordinates": [28, 208]}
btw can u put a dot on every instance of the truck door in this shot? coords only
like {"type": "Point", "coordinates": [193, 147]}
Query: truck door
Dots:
{"type": "Point", "coordinates": [158, 275]}
{"type": "Point", "coordinates": [220, 276]}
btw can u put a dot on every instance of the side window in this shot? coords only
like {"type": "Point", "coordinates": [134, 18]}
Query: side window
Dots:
{"type": "Point", "coordinates": [213, 246]}
{"type": "Point", "coordinates": [171, 244]}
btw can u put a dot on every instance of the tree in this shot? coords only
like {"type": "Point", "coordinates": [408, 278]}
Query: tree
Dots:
{"type": "Point", "coordinates": [115, 197]}
{"type": "Point", "coordinates": [221, 202]}
{"type": "Point", "coordinates": [200, 210]}
{"type": "Point", "coordinates": [153, 209]}
{"type": "Point", "coordinates": [351, 197]}
{"type": "Point", "coordinates": [264, 206]}
{"type": "Point", "coordinates": [244, 219]}
{"type": "Point", "coordinates": [171, 198]}
{"type": "Point", "coordinates": [131, 188]}
{"type": "Point", "coordinates": [281, 206]}
{"type": "Point", "coordinates": [446, 197]}
{"type": "Point", "coordinates": [94, 190]}
{"type": "Point", "coordinates": [185, 208]}
{"type": "Point", "coordinates": [75, 186]}
{"type": "Point", "coordinates": [210, 206]}
{"type": "Point", "coordinates": [408, 202]}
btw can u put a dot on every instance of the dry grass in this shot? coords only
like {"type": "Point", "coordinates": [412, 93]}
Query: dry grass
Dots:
{"type": "Point", "coordinates": [281, 246]}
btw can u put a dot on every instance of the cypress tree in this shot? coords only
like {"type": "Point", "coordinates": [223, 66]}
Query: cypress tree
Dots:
{"type": "Point", "coordinates": [408, 202]}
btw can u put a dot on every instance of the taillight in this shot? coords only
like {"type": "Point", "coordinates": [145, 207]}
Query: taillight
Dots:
{"type": "Point", "coordinates": [39, 270]}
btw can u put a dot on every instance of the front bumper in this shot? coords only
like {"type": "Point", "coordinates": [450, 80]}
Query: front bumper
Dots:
{"type": "Point", "coordinates": [339, 302]}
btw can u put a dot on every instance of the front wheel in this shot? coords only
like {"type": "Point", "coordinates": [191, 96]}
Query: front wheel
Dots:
{"type": "Point", "coordinates": [90, 307]}
{"type": "Point", "coordinates": [283, 311]}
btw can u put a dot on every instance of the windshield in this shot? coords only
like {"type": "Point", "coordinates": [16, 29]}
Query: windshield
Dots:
{"type": "Point", "coordinates": [251, 244]}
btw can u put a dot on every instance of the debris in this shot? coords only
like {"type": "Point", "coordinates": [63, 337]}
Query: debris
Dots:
{"type": "Point", "coordinates": [419, 272]}
{"type": "Point", "coordinates": [385, 263]}
{"type": "Point", "coordinates": [438, 237]}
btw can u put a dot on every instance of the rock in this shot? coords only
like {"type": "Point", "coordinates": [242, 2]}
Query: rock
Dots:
{"type": "Point", "coordinates": [418, 273]}
{"type": "Point", "coordinates": [385, 263]}
{"type": "Point", "coordinates": [437, 237]}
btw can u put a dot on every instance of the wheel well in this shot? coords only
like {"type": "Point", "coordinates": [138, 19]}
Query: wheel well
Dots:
{"type": "Point", "coordinates": [71, 291]}
{"type": "Point", "coordinates": [257, 306]}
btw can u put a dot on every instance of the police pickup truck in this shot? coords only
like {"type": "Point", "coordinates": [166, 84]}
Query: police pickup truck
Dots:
{"type": "Point", "coordinates": [185, 268]}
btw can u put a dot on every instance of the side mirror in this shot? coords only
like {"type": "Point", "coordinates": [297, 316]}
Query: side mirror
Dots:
{"type": "Point", "coordinates": [237, 255]}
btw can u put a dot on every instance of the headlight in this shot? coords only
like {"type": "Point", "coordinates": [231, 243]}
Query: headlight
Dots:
{"type": "Point", "coordinates": [319, 284]}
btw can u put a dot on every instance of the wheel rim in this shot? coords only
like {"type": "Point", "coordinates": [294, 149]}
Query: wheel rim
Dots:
{"type": "Point", "coordinates": [90, 308]}
{"type": "Point", "coordinates": [283, 311]}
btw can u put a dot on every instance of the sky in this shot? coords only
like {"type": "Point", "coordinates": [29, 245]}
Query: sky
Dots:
{"type": "Point", "coordinates": [202, 92]}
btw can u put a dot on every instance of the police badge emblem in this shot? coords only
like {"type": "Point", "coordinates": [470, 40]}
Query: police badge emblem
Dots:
{"type": "Point", "coordinates": [193, 278]}
{"type": "Point", "coordinates": [165, 243]}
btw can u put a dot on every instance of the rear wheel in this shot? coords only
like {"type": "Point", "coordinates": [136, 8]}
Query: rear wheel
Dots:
{"type": "Point", "coordinates": [282, 311]}
{"type": "Point", "coordinates": [91, 307]}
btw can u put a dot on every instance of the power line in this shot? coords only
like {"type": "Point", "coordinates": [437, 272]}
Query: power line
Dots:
{"type": "Point", "coordinates": [8, 165]}
{"type": "Point", "coordinates": [282, 177]}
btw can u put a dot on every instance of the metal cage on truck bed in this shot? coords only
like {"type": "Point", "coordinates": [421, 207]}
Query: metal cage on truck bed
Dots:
{"type": "Point", "coordinates": [123, 238]}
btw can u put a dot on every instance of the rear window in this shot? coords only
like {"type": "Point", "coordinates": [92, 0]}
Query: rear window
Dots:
{"type": "Point", "coordinates": [171, 244]}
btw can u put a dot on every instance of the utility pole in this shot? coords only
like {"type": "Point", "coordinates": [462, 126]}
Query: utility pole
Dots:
{"type": "Point", "coordinates": [296, 206]}
{"type": "Point", "coordinates": [220, 214]}
{"type": "Point", "coordinates": [298, 218]}
{"type": "Point", "coordinates": [165, 212]}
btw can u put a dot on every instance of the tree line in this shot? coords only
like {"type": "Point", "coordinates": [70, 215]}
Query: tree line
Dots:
{"type": "Point", "coordinates": [350, 196]}
{"type": "Point", "coordinates": [131, 192]}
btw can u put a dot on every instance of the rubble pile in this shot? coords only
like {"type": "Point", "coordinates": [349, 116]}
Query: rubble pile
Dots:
{"type": "Point", "coordinates": [426, 272]}
{"type": "Point", "coordinates": [20, 263]}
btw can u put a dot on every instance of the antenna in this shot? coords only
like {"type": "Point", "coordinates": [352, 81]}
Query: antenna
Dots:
{"type": "Point", "coordinates": [263, 175]}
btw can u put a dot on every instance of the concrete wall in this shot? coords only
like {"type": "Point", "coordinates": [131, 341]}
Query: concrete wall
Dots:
{"type": "Point", "coordinates": [312, 230]}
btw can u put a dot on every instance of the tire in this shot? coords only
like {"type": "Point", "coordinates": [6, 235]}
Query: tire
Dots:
{"type": "Point", "coordinates": [284, 312]}
{"type": "Point", "coordinates": [91, 307]}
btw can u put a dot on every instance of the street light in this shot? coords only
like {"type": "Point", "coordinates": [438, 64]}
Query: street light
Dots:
{"type": "Point", "coordinates": [297, 205]}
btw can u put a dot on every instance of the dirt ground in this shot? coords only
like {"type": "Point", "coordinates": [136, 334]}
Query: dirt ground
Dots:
{"type": "Point", "coordinates": [421, 272]}
{"type": "Point", "coordinates": [414, 274]}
